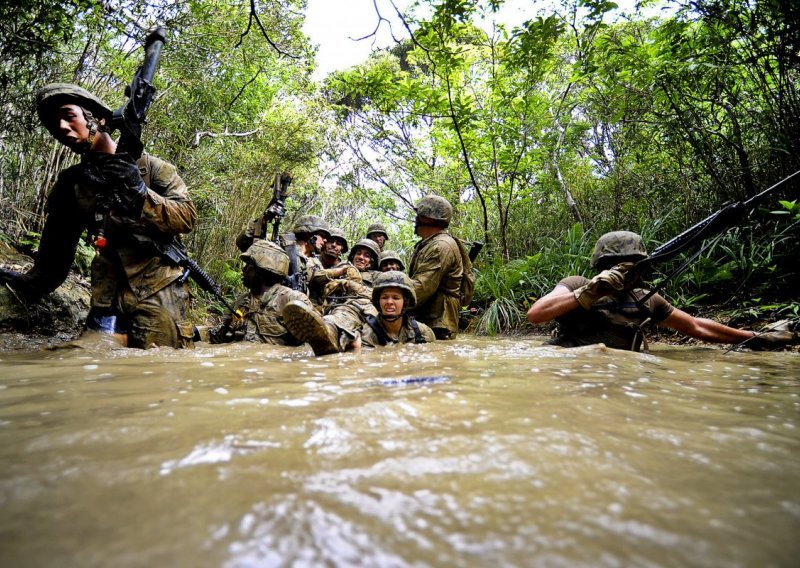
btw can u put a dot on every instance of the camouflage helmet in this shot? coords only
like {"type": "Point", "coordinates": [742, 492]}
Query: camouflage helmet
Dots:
{"type": "Point", "coordinates": [436, 208]}
{"type": "Point", "coordinates": [268, 256]}
{"type": "Point", "coordinates": [618, 245]}
{"type": "Point", "coordinates": [378, 228]}
{"type": "Point", "coordinates": [390, 255]}
{"type": "Point", "coordinates": [52, 96]}
{"type": "Point", "coordinates": [394, 279]}
{"type": "Point", "coordinates": [371, 246]}
{"type": "Point", "coordinates": [309, 224]}
{"type": "Point", "coordinates": [337, 233]}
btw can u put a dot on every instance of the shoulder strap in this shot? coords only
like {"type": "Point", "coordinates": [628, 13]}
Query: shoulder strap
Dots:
{"type": "Point", "coordinates": [382, 336]}
{"type": "Point", "coordinates": [418, 337]}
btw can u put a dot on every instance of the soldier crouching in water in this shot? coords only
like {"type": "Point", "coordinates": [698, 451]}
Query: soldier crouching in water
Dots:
{"type": "Point", "coordinates": [393, 296]}
{"type": "Point", "coordinates": [135, 291]}
{"type": "Point", "coordinates": [345, 301]}
{"type": "Point", "coordinates": [607, 309]}
{"type": "Point", "coordinates": [259, 309]}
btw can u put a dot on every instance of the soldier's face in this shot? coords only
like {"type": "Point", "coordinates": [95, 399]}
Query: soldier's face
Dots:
{"type": "Point", "coordinates": [362, 259]}
{"type": "Point", "coordinates": [334, 247]}
{"type": "Point", "coordinates": [390, 265]}
{"type": "Point", "coordinates": [68, 125]}
{"type": "Point", "coordinates": [318, 240]}
{"type": "Point", "coordinates": [391, 301]}
{"type": "Point", "coordinates": [378, 238]}
{"type": "Point", "coordinates": [249, 275]}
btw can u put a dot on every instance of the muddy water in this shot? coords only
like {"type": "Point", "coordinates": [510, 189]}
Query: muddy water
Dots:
{"type": "Point", "coordinates": [471, 453]}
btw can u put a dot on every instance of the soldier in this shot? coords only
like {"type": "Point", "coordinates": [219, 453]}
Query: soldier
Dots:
{"type": "Point", "coordinates": [377, 232]}
{"type": "Point", "coordinates": [329, 267]}
{"type": "Point", "coordinates": [346, 303]}
{"type": "Point", "coordinates": [364, 256]}
{"type": "Point", "coordinates": [436, 268]}
{"type": "Point", "coordinates": [390, 260]}
{"type": "Point", "coordinates": [134, 290]}
{"type": "Point", "coordinates": [393, 296]}
{"type": "Point", "coordinates": [606, 309]}
{"type": "Point", "coordinates": [311, 232]}
{"type": "Point", "coordinates": [266, 266]}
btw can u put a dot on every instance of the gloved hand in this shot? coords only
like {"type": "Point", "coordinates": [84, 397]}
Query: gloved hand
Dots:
{"type": "Point", "coordinates": [603, 284]}
{"type": "Point", "coordinates": [129, 192]}
{"type": "Point", "coordinates": [352, 273]}
{"type": "Point", "coordinates": [334, 287]}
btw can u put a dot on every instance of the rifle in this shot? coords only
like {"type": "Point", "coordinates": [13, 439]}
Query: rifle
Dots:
{"type": "Point", "coordinates": [711, 226]}
{"type": "Point", "coordinates": [130, 117]}
{"type": "Point", "coordinates": [273, 215]}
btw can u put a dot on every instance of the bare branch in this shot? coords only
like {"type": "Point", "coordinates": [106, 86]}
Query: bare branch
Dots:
{"type": "Point", "coordinates": [208, 134]}
{"type": "Point", "coordinates": [254, 16]}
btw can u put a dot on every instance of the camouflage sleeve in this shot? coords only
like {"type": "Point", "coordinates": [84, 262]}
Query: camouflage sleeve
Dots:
{"type": "Point", "coordinates": [60, 236]}
{"type": "Point", "coordinates": [168, 206]}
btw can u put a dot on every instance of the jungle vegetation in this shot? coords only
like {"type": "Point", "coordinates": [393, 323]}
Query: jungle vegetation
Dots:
{"type": "Point", "coordinates": [544, 135]}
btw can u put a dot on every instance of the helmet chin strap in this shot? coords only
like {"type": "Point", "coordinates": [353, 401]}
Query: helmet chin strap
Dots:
{"type": "Point", "coordinates": [94, 126]}
{"type": "Point", "coordinates": [393, 318]}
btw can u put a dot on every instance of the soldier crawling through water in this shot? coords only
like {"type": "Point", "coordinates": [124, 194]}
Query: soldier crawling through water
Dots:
{"type": "Point", "coordinates": [609, 309]}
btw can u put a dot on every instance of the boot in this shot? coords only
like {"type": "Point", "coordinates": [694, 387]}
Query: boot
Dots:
{"type": "Point", "coordinates": [307, 326]}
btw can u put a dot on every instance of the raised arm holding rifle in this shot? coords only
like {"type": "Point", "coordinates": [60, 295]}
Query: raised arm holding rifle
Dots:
{"type": "Point", "coordinates": [127, 200]}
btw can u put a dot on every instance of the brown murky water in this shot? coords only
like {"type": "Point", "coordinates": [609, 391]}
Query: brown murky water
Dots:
{"type": "Point", "coordinates": [472, 453]}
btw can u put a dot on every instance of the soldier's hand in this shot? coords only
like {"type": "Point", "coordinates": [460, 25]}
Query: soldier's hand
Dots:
{"type": "Point", "coordinates": [603, 284]}
{"type": "Point", "coordinates": [352, 273]}
{"type": "Point", "coordinates": [334, 287]}
{"type": "Point", "coordinates": [129, 191]}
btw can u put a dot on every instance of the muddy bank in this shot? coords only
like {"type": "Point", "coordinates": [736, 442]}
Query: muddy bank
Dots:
{"type": "Point", "coordinates": [56, 318]}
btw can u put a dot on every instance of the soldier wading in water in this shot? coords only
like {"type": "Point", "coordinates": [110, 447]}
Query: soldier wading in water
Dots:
{"type": "Point", "coordinates": [607, 309]}
{"type": "Point", "coordinates": [266, 266]}
{"type": "Point", "coordinates": [393, 296]}
{"type": "Point", "coordinates": [135, 291]}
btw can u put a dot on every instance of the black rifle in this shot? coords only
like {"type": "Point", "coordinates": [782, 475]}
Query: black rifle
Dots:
{"type": "Point", "coordinates": [130, 117]}
{"type": "Point", "coordinates": [175, 252]}
{"type": "Point", "coordinates": [712, 225]}
{"type": "Point", "coordinates": [273, 215]}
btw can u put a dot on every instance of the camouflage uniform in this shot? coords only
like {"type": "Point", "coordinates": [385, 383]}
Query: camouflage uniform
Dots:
{"type": "Point", "coordinates": [262, 316]}
{"type": "Point", "coordinates": [436, 270]}
{"type": "Point", "coordinates": [615, 319]}
{"type": "Point", "coordinates": [127, 275]}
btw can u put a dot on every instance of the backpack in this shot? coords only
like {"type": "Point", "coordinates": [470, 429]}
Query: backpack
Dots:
{"type": "Point", "coordinates": [469, 277]}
